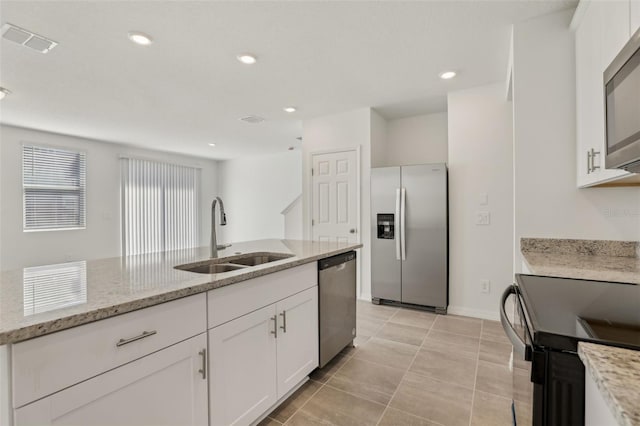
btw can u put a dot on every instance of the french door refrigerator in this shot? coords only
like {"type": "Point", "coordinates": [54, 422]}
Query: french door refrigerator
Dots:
{"type": "Point", "coordinates": [409, 236]}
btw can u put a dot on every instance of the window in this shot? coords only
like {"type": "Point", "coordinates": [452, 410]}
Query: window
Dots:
{"type": "Point", "coordinates": [54, 183]}
{"type": "Point", "coordinates": [159, 206]}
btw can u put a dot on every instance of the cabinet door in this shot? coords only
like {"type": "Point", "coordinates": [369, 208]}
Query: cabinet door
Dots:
{"type": "Point", "coordinates": [297, 338]}
{"type": "Point", "coordinates": [242, 359]}
{"type": "Point", "coordinates": [588, 128]}
{"type": "Point", "coordinates": [590, 95]}
{"type": "Point", "coordinates": [615, 34]}
{"type": "Point", "coordinates": [164, 388]}
{"type": "Point", "coordinates": [634, 10]}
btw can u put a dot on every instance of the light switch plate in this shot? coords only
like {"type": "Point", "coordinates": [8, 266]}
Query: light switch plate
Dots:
{"type": "Point", "coordinates": [483, 218]}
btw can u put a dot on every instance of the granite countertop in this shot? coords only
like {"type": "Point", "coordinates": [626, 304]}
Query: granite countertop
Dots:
{"type": "Point", "coordinates": [44, 299]}
{"type": "Point", "coordinates": [616, 372]}
{"type": "Point", "coordinates": [601, 260]}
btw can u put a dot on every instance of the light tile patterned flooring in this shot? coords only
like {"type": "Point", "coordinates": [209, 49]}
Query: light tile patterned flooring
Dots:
{"type": "Point", "coordinates": [411, 368]}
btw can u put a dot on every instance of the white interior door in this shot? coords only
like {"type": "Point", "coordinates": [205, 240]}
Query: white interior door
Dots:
{"type": "Point", "coordinates": [335, 196]}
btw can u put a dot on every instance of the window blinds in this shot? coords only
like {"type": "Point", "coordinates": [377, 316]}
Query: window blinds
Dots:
{"type": "Point", "coordinates": [159, 206]}
{"type": "Point", "coordinates": [51, 287]}
{"type": "Point", "coordinates": [54, 182]}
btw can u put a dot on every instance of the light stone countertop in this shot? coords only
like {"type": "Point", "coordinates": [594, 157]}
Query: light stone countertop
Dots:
{"type": "Point", "coordinates": [616, 372]}
{"type": "Point", "coordinates": [44, 299]}
{"type": "Point", "coordinates": [585, 259]}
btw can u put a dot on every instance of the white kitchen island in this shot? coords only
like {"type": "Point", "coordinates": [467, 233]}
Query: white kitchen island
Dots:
{"type": "Point", "coordinates": [135, 341]}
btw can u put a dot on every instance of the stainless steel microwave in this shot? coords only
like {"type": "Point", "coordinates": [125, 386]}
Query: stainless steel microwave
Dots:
{"type": "Point", "coordinates": [622, 108]}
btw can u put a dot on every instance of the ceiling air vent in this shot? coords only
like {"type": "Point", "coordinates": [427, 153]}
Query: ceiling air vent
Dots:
{"type": "Point", "coordinates": [27, 38]}
{"type": "Point", "coordinates": [252, 119]}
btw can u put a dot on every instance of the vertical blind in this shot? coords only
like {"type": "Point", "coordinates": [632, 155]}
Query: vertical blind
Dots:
{"type": "Point", "coordinates": [54, 184]}
{"type": "Point", "coordinates": [159, 206]}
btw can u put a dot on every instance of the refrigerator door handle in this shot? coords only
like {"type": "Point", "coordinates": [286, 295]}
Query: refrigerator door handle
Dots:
{"type": "Point", "coordinates": [403, 214]}
{"type": "Point", "coordinates": [397, 223]}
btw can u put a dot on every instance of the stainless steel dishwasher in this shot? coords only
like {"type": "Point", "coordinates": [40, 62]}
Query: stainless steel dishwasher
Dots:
{"type": "Point", "coordinates": [337, 304]}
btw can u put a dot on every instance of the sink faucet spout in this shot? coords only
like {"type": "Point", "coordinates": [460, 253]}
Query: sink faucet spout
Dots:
{"type": "Point", "coordinates": [223, 221]}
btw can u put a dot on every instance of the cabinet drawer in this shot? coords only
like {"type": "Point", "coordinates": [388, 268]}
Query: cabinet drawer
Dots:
{"type": "Point", "coordinates": [233, 301]}
{"type": "Point", "coordinates": [50, 363]}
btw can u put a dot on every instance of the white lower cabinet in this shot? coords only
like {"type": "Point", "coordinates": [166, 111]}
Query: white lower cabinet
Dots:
{"type": "Point", "coordinates": [297, 342]}
{"type": "Point", "coordinates": [258, 358]}
{"type": "Point", "coordinates": [242, 360]}
{"type": "Point", "coordinates": [168, 387]}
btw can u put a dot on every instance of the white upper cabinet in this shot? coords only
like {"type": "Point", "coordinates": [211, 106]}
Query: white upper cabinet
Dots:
{"type": "Point", "coordinates": [602, 33]}
{"type": "Point", "coordinates": [634, 18]}
{"type": "Point", "coordinates": [615, 28]}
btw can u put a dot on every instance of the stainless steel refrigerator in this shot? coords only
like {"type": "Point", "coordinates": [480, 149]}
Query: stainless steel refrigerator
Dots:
{"type": "Point", "coordinates": [409, 235]}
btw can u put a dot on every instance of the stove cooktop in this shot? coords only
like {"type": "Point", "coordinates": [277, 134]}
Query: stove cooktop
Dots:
{"type": "Point", "coordinates": [562, 311]}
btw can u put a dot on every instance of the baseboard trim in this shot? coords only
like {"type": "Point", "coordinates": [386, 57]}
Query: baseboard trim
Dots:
{"type": "Point", "coordinates": [365, 297]}
{"type": "Point", "coordinates": [474, 313]}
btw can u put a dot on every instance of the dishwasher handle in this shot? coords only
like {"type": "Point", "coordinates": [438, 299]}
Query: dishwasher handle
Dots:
{"type": "Point", "coordinates": [339, 260]}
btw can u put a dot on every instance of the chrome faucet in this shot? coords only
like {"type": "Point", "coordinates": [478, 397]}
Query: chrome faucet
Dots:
{"type": "Point", "coordinates": [223, 221]}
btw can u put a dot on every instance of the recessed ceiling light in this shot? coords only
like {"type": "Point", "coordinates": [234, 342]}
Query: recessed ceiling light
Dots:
{"type": "Point", "coordinates": [447, 75]}
{"type": "Point", "coordinates": [4, 92]}
{"type": "Point", "coordinates": [247, 59]}
{"type": "Point", "coordinates": [289, 109]}
{"type": "Point", "coordinates": [212, 144]}
{"type": "Point", "coordinates": [140, 38]}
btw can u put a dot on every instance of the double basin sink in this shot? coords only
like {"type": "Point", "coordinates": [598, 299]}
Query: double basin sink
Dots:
{"type": "Point", "coordinates": [233, 263]}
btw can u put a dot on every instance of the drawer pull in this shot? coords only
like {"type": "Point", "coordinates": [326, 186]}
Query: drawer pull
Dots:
{"type": "Point", "coordinates": [203, 370]}
{"type": "Point", "coordinates": [144, 334]}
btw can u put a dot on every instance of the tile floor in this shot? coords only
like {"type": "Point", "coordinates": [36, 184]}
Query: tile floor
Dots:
{"type": "Point", "coordinates": [411, 368]}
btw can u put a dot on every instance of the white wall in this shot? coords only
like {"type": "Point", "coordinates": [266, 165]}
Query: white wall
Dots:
{"type": "Point", "coordinates": [378, 140]}
{"type": "Point", "coordinates": [547, 201]}
{"type": "Point", "coordinates": [421, 139]}
{"type": "Point", "coordinates": [480, 162]}
{"type": "Point", "coordinates": [101, 238]}
{"type": "Point", "coordinates": [346, 130]}
{"type": "Point", "coordinates": [255, 191]}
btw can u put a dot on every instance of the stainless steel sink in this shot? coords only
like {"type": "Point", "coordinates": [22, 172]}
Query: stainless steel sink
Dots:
{"type": "Point", "coordinates": [210, 268]}
{"type": "Point", "coordinates": [253, 259]}
{"type": "Point", "coordinates": [232, 263]}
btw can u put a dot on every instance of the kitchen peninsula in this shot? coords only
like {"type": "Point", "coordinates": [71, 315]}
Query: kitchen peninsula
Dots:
{"type": "Point", "coordinates": [134, 333]}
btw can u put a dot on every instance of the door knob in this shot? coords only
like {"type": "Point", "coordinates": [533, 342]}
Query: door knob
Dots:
{"type": "Point", "coordinates": [352, 231]}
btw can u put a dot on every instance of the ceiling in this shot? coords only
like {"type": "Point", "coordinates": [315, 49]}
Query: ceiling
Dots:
{"type": "Point", "coordinates": [187, 89]}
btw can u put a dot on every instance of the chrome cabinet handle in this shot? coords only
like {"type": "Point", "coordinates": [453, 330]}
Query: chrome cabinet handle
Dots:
{"type": "Point", "coordinates": [284, 321]}
{"type": "Point", "coordinates": [275, 326]}
{"type": "Point", "coordinates": [593, 160]}
{"type": "Point", "coordinates": [144, 334]}
{"type": "Point", "coordinates": [203, 370]}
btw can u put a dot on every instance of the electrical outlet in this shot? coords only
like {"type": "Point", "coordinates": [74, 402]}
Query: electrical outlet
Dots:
{"type": "Point", "coordinates": [485, 286]}
{"type": "Point", "coordinates": [483, 218]}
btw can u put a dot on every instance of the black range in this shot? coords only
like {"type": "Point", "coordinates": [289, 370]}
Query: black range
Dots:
{"type": "Point", "coordinates": [545, 322]}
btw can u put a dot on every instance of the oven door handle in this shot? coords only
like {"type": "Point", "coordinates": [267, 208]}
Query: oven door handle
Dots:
{"type": "Point", "coordinates": [518, 344]}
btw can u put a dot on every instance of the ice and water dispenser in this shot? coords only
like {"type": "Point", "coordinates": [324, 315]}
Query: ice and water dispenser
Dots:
{"type": "Point", "coordinates": [386, 228]}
